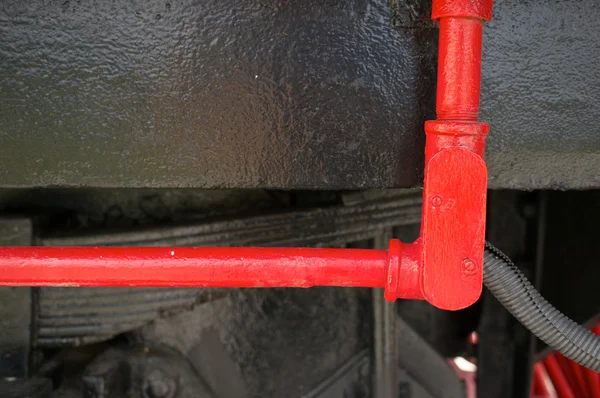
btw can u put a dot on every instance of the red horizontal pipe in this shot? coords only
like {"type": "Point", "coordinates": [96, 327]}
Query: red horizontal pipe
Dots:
{"type": "Point", "coordinates": [192, 267]}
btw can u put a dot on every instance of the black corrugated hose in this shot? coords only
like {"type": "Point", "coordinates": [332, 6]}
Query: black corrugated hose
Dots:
{"type": "Point", "coordinates": [521, 299]}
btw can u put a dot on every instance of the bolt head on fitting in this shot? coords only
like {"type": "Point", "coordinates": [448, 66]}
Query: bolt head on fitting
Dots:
{"type": "Point", "coordinates": [469, 267]}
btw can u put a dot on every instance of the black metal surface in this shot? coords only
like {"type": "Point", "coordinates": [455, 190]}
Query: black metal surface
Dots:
{"type": "Point", "coordinates": [15, 307]}
{"type": "Point", "coordinates": [269, 342]}
{"type": "Point", "coordinates": [326, 226]}
{"type": "Point", "coordinates": [536, 93]}
{"type": "Point", "coordinates": [30, 388]}
{"type": "Point", "coordinates": [211, 93]}
{"type": "Point", "coordinates": [426, 373]}
{"type": "Point", "coordinates": [385, 349]}
{"type": "Point", "coordinates": [144, 372]}
{"type": "Point", "coordinates": [74, 317]}
{"type": "Point", "coordinates": [286, 94]}
{"type": "Point", "coordinates": [572, 253]}
{"type": "Point", "coordinates": [505, 352]}
{"type": "Point", "coordinates": [75, 211]}
{"type": "Point", "coordinates": [349, 381]}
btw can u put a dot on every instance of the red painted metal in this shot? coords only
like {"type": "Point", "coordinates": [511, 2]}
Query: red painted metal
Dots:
{"type": "Point", "coordinates": [542, 386]}
{"type": "Point", "coordinates": [480, 9]}
{"type": "Point", "coordinates": [209, 267]}
{"type": "Point", "coordinates": [444, 266]}
{"type": "Point", "coordinates": [558, 378]}
{"type": "Point", "coordinates": [404, 272]}
{"type": "Point", "coordinates": [459, 68]}
{"type": "Point", "coordinates": [454, 198]}
{"type": "Point", "coordinates": [564, 377]}
{"type": "Point", "coordinates": [219, 267]}
{"type": "Point", "coordinates": [592, 379]}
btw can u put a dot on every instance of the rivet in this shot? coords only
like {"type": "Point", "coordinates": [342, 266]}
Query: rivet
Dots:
{"type": "Point", "coordinates": [468, 266]}
{"type": "Point", "coordinates": [436, 201]}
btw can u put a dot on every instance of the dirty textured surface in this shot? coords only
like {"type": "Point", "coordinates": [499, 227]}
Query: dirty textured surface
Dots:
{"type": "Point", "coordinates": [132, 371]}
{"type": "Point", "coordinates": [571, 254]}
{"type": "Point", "coordinates": [537, 93]}
{"type": "Point", "coordinates": [15, 307]}
{"type": "Point", "coordinates": [74, 317]}
{"type": "Point", "coordinates": [211, 93]}
{"type": "Point", "coordinates": [296, 336]}
{"type": "Point", "coordinates": [282, 94]}
{"type": "Point", "coordinates": [31, 388]}
{"type": "Point", "coordinates": [66, 210]}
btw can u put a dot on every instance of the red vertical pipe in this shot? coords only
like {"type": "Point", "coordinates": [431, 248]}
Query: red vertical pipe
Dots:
{"type": "Point", "coordinates": [459, 69]}
{"type": "Point", "coordinates": [455, 186]}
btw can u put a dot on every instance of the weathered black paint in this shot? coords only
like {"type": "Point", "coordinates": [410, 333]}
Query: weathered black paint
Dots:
{"type": "Point", "coordinates": [15, 308]}
{"type": "Point", "coordinates": [282, 94]}
{"type": "Point", "coordinates": [539, 92]}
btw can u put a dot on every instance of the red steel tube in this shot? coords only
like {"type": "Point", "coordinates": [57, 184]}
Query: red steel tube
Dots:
{"type": "Point", "coordinates": [459, 69]}
{"type": "Point", "coordinates": [192, 267]}
{"type": "Point", "coordinates": [455, 184]}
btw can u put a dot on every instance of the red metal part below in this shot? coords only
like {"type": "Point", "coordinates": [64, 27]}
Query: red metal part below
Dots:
{"type": "Point", "coordinates": [558, 377]}
{"type": "Point", "coordinates": [444, 266]}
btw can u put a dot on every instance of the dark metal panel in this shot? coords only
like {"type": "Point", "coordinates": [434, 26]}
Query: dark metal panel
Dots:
{"type": "Point", "coordinates": [15, 308]}
{"type": "Point", "coordinates": [282, 94]}
{"type": "Point", "coordinates": [30, 388]}
{"type": "Point", "coordinates": [571, 253]}
{"type": "Point", "coordinates": [74, 317]}
{"type": "Point", "coordinates": [506, 349]}
{"type": "Point", "coordinates": [211, 93]}
{"type": "Point", "coordinates": [269, 342]}
{"type": "Point", "coordinates": [539, 92]}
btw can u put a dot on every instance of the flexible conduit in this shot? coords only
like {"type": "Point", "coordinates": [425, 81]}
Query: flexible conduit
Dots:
{"type": "Point", "coordinates": [508, 284]}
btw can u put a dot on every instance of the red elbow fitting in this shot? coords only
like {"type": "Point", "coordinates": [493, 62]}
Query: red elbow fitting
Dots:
{"type": "Point", "coordinates": [455, 185]}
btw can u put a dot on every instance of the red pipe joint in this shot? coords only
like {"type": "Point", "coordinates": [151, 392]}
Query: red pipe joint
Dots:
{"type": "Point", "coordinates": [454, 198]}
{"type": "Point", "coordinates": [403, 272]}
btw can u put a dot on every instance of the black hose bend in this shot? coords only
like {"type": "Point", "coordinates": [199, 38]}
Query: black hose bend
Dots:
{"type": "Point", "coordinates": [508, 284]}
